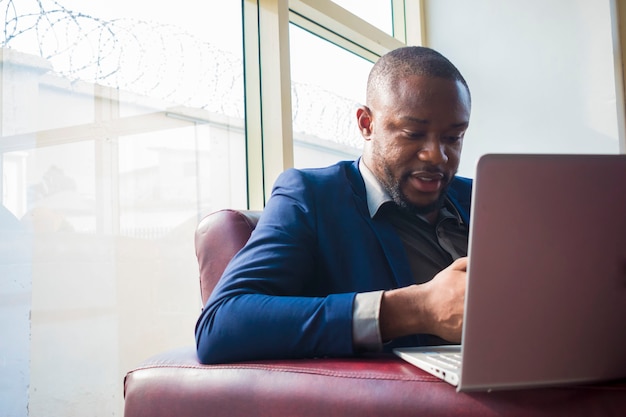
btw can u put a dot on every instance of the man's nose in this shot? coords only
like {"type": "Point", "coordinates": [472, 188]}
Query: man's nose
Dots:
{"type": "Point", "coordinates": [433, 151]}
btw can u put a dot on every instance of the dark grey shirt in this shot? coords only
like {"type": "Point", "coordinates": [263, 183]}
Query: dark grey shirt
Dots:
{"type": "Point", "coordinates": [429, 247]}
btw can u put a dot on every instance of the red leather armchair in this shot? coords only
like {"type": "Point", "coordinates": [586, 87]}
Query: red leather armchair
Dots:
{"type": "Point", "coordinates": [176, 384]}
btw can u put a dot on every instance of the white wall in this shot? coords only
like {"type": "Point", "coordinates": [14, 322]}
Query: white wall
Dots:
{"type": "Point", "coordinates": [541, 73]}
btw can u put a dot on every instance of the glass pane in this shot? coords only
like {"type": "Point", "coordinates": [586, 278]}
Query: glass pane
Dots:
{"type": "Point", "coordinates": [121, 125]}
{"type": "Point", "coordinates": [376, 12]}
{"type": "Point", "coordinates": [324, 100]}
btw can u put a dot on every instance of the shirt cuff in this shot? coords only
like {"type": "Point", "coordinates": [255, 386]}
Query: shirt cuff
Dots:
{"type": "Point", "coordinates": [365, 318]}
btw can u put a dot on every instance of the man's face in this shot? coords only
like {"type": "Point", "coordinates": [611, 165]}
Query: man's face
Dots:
{"type": "Point", "coordinates": [414, 134]}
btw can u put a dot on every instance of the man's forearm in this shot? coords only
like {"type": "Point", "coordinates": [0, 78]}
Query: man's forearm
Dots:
{"type": "Point", "coordinates": [435, 307]}
{"type": "Point", "coordinates": [402, 313]}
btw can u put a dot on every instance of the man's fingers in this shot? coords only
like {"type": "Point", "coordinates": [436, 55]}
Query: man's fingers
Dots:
{"type": "Point", "coordinates": [460, 264]}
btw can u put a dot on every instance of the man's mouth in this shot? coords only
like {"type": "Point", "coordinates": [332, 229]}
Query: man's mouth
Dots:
{"type": "Point", "coordinates": [427, 182]}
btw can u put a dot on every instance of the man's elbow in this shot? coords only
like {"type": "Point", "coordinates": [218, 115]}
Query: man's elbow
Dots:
{"type": "Point", "coordinates": [211, 350]}
{"type": "Point", "coordinates": [207, 355]}
{"type": "Point", "coordinates": [211, 347]}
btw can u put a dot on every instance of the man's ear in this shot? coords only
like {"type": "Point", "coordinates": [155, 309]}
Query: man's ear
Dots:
{"type": "Point", "coordinates": [364, 120]}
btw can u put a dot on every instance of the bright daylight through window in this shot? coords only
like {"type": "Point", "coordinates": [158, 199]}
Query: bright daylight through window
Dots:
{"type": "Point", "coordinates": [122, 123]}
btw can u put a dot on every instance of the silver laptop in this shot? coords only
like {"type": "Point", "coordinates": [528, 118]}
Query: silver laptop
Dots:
{"type": "Point", "coordinates": [546, 296]}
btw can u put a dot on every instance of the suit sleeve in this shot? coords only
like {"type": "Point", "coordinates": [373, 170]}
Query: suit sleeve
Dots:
{"type": "Point", "coordinates": [271, 301]}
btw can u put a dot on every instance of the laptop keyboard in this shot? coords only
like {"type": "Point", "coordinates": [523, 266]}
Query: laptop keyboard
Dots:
{"type": "Point", "coordinates": [450, 360]}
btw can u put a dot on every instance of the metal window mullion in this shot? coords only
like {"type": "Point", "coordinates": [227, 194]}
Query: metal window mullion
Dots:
{"type": "Point", "coordinates": [408, 21]}
{"type": "Point", "coordinates": [398, 18]}
{"type": "Point", "coordinates": [333, 37]}
{"type": "Point", "coordinates": [324, 16]}
{"type": "Point", "coordinates": [252, 92]}
{"type": "Point", "coordinates": [269, 136]}
{"type": "Point", "coordinates": [618, 18]}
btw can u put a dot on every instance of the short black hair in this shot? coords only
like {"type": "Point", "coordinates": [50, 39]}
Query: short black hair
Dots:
{"type": "Point", "coordinates": [411, 60]}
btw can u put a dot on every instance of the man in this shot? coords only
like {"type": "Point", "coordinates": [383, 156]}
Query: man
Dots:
{"type": "Point", "coordinates": [362, 255]}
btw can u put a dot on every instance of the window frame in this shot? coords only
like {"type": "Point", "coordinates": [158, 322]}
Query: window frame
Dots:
{"type": "Point", "coordinates": [618, 16]}
{"type": "Point", "coordinates": [268, 115]}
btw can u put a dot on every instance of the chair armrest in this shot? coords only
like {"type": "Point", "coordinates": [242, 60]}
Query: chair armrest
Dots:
{"type": "Point", "coordinates": [219, 236]}
{"type": "Point", "coordinates": [175, 383]}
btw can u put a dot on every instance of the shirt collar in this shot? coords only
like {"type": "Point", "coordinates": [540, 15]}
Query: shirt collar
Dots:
{"type": "Point", "coordinates": [377, 195]}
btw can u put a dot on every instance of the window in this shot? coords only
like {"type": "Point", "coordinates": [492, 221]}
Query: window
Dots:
{"type": "Point", "coordinates": [375, 12]}
{"type": "Point", "coordinates": [324, 100]}
{"type": "Point", "coordinates": [122, 123]}
{"type": "Point", "coordinates": [270, 132]}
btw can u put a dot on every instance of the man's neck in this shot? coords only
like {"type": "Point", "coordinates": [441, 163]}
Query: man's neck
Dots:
{"type": "Point", "coordinates": [432, 216]}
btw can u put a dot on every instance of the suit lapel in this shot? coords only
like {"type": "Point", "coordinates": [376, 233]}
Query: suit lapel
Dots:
{"type": "Point", "coordinates": [394, 251]}
{"type": "Point", "coordinates": [385, 233]}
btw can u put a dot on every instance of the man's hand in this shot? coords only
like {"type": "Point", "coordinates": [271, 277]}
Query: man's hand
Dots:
{"type": "Point", "coordinates": [435, 307]}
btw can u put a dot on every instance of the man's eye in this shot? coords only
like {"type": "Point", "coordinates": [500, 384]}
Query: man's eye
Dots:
{"type": "Point", "coordinates": [414, 135]}
{"type": "Point", "coordinates": [453, 138]}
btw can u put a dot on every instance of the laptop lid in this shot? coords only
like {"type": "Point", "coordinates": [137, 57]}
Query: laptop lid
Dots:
{"type": "Point", "coordinates": [546, 297]}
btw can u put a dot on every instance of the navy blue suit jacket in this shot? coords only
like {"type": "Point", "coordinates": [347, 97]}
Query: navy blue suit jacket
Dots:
{"type": "Point", "coordinates": [289, 292]}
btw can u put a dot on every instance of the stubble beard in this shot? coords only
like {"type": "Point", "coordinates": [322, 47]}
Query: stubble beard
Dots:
{"type": "Point", "coordinates": [393, 186]}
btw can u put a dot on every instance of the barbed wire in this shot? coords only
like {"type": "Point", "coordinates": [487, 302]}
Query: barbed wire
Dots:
{"type": "Point", "coordinates": [146, 58]}
{"type": "Point", "coordinates": [158, 60]}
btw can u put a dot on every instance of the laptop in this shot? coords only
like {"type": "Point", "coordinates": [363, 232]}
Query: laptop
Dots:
{"type": "Point", "coordinates": [546, 294]}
